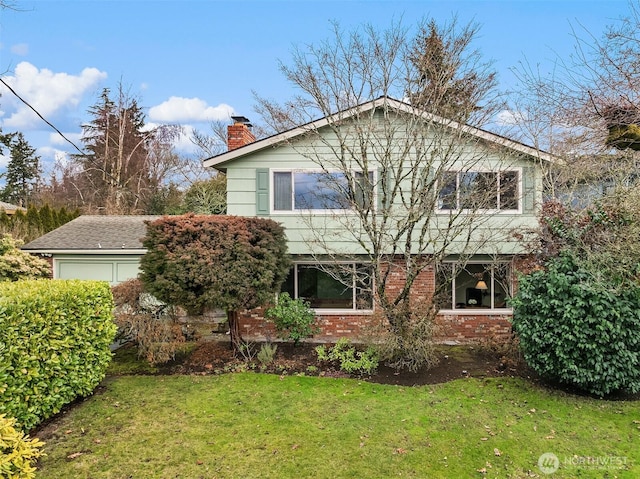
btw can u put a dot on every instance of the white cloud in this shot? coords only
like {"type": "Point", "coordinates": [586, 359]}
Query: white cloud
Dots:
{"type": "Point", "coordinates": [47, 154]}
{"type": "Point", "coordinates": [183, 143]}
{"type": "Point", "coordinates": [178, 110]}
{"type": "Point", "coordinates": [510, 117]}
{"type": "Point", "coordinates": [56, 139]}
{"type": "Point", "coordinates": [20, 49]}
{"type": "Point", "coordinates": [44, 90]}
{"type": "Point", "coordinates": [51, 158]}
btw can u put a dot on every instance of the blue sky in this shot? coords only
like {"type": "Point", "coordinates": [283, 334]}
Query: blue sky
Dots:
{"type": "Point", "coordinates": [193, 61]}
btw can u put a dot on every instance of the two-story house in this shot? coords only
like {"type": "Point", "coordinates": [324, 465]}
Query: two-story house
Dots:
{"type": "Point", "coordinates": [384, 181]}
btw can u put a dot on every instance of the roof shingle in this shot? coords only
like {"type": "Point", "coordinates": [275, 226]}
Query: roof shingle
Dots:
{"type": "Point", "coordinates": [95, 233]}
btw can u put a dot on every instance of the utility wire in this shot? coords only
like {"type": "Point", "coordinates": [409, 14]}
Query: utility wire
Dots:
{"type": "Point", "coordinates": [41, 117]}
{"type": "Point", "coordinates": [82, 153]}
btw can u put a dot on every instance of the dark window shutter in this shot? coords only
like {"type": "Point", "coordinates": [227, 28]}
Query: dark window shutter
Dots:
{"type": "Point", "coordinates": [262, 191]}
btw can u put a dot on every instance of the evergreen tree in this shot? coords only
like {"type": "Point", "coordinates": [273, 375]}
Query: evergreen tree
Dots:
{"type": "Point", "coordinates": [47, 218]}
{"type": "Point", "coordinates": [115, 165]}
{"type": "Point", "coordinates": [23, 170]}
{"type": "Point", "coordinates": [207, 197]}
{"type": "Point", "coordinates": [35, 222]}
{"type": "Point", "coordinates": [449, 79]}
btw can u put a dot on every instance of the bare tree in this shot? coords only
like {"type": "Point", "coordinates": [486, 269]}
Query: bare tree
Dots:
{"type": "Point", "coordinates": [587, 110]}
{"type": "Point", "coordinates": [126, 163]}
{"type": "Point", "coordinates": [417, 186]}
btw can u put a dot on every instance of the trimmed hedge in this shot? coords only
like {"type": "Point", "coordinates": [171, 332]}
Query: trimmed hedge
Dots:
{"type": "Point", "coordinates": [54, 345]}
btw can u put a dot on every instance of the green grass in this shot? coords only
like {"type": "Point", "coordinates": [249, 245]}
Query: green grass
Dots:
{"type": "Point", "coordinates": [127, 362]}
{"type": "Point", "coordinates": [250, 425]}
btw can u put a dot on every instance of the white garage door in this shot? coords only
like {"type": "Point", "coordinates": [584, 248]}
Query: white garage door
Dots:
{"type": "Point", "coordinates": [114, 270]}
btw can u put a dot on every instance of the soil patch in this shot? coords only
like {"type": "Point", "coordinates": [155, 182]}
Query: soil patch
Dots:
{"type": "Point", "coordinates": [453, 362]}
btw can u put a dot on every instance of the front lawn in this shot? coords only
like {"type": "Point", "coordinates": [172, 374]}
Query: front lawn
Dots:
{"type": "Point", "coordinates": [250, 425]}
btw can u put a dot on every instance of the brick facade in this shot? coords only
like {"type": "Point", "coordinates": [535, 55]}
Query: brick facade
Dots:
{"type": "Point", "coordinates": [464, 327]}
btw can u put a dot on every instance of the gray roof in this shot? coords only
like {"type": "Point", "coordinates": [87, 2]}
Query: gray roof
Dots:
{"type": "Point", "coordinates": [99, 233]}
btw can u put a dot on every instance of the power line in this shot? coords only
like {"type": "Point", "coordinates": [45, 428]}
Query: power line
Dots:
{"type": "Point", "coordinates": [41, 117]}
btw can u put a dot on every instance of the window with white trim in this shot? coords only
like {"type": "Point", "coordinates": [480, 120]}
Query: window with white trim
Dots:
{"type": "Point", "coordinates": [475, 285]}
{"type": "Point", "coordinates": [480, 190]}
{"type": "Point", "coordinates": [319, 190]}
{"type": "Point", "coordinates": [345, 286]}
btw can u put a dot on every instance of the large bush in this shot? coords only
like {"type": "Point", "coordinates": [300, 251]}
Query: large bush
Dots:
{"type": "Point", "coordinates": [16, 264]}
{"type": "Point", "coordinates": [203, 261]}
{"type": "Point", "coordinates": [54, 345]}
{"type": "Point", "coordinates": [576, 330]}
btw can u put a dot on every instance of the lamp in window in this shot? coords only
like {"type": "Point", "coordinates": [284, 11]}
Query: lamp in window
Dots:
{"type": "Point", "coordinates": [481, 283]}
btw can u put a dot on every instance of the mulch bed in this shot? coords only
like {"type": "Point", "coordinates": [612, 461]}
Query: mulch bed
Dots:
{"type": "Point", "coordinates": [454, 362]}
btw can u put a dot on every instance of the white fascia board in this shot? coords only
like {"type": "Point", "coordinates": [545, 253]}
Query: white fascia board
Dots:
{"type": "Point", "coordinates": [87, 251]}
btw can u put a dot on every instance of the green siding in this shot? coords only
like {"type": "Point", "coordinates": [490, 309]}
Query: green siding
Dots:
{"type": "Point", "coordinates": [249, 181]}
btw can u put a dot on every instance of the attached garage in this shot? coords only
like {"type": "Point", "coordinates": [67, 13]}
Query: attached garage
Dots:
{"type": "Point", "coordinates": [114, 269]}
{"type": "Point", "coordinates": [105, 248]}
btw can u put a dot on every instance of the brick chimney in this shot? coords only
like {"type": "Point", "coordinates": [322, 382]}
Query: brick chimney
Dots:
{"type": "Point", "coordinates": [239, 134]}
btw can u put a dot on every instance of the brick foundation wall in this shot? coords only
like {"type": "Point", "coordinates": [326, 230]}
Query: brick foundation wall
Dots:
{"type": "Point", "coordinates": [452, 327]}
{"type": "Point", "coordinates": [470, 328]}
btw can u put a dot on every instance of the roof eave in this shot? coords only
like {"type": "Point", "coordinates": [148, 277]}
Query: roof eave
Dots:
{"type": "Point", "coordinates": [96, 251]}
{"type": "Point", "coordinates": [217, 162]}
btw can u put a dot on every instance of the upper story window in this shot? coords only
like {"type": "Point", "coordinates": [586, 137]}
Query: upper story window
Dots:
{"type": "Point", "coordinates": [319, 190]}
{"type": "Point", "coordinates": [480, 190]}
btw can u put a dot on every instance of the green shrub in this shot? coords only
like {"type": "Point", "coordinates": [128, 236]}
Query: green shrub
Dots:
{"type": "Point", "coordinates": [18, 452]}
{"type": "Point", "coordinates": [267, 353]}
{"type": "Point", "coordinates": [54, 345]}
{"type": "Point", "coordinates": [349, 358]}
{"type": "Point", "coordinates": [293, 318]}
{"type": "Point", "coordinates": [16, 264]}
{"type": "Point", "coordinates": [575, 331]}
